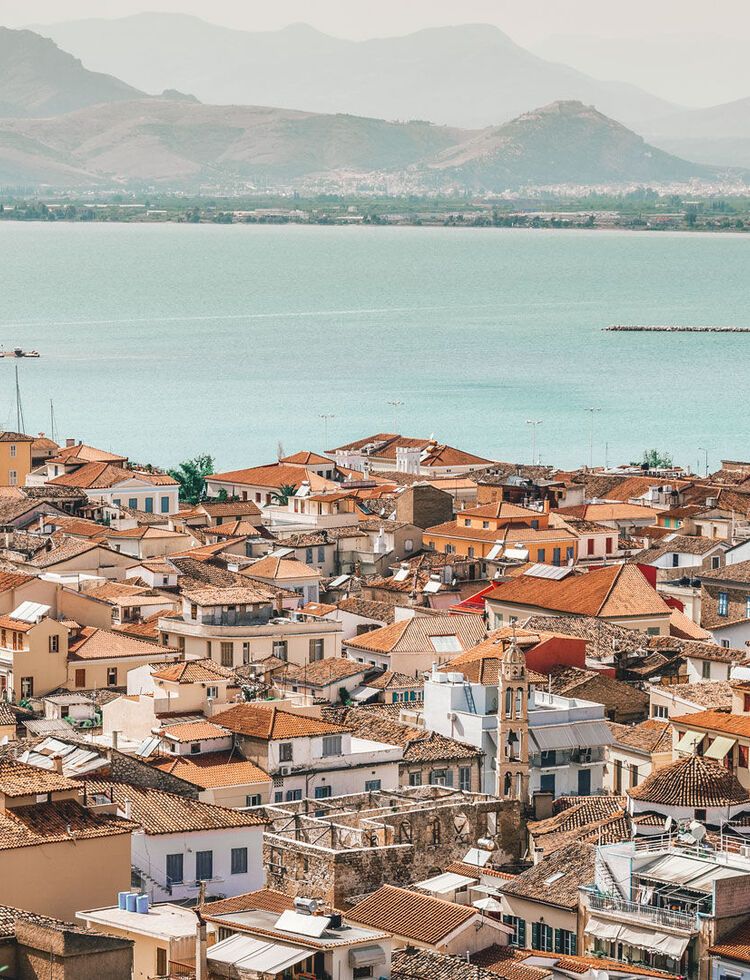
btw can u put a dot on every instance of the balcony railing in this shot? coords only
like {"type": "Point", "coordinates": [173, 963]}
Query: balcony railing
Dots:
{"type": "Point", "coordinates": [685, 921]}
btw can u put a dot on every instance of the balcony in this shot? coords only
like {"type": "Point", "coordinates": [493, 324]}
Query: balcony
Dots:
{"type": "Point", "coordinates": [623, 908]}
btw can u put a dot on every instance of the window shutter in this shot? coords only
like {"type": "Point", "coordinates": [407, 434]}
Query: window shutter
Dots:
{"type": "Point", "coordinates": [522, 933]}
{"type": "Point", "coordinates": [558, 941]}
{"type": "Point", "coordinates": [535, 935]}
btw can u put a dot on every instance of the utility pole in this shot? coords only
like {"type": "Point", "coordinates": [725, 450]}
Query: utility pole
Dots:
{"type": "Point", "coordinates": [702, 449]}
{"type": "Point", "coordinates": [592, 411]}
{"type": "Point", "coordinates": [533, 423]}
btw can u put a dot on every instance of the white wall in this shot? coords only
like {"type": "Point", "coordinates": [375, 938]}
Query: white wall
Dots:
{"type": "Point", "coordinates": [719, 670]}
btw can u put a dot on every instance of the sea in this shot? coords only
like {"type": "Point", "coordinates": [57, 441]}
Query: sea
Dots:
{"type": "Point", "coordinates": [164, 341]}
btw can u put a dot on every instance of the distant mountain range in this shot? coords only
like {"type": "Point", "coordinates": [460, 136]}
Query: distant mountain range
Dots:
{"type": "Point", "coordinates": [471, 75]}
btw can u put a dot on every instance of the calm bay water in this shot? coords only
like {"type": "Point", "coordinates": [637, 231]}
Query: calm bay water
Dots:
{"type": "Point", "coordinates": [164, 341]}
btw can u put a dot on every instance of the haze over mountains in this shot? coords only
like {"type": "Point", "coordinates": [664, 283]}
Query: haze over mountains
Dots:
{"type": "Point", "coordinates": [471, 75]}
{"type": "Point", "coordinates": [66, 126]}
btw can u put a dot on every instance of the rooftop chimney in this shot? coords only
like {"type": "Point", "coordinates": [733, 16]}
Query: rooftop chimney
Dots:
{"type": "Point", "coordinates": [70, 442]}
{"type": "Point", "coordinates": [57, 764]}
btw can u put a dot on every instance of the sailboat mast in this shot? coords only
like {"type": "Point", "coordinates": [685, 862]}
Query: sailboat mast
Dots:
{"type": "Point", "coordinates": [20, 426]}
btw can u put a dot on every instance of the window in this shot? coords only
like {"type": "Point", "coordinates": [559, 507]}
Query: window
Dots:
{"type": "Point", "coordinates": [80, 678]}
{"type": "Point", "coordinates": [372, 785]}
{"type": "Point", "coordinates": [556, 556]}
{"type": "Point", "coordinates": [589, 546]}
{"type": "Point", "coordinates": [195, 748]}
{"type": "Point", "coordinates": [246, 653]}
{"type": "Point", "coordinates": [618, 776]}
{"type": "Point", "coordinates": [175, 869]}
{"type": "Point", "coordinates": [253, 799]}
{"type": "Point", "coordinates": [541, 554]}
{"type": "Point", "coordinates": [470, 551]}
{"type": "Point", "coordinates": [27, 687]}
{"type": "Point", "coordinates": [293, 794]}
{"type": "Point", "coordinates": [570, 554]}
{"type": "Point", "coordinates": [633, 775]}
{"type": "Point", "coordinates": [659, 711]}
{"type": "Point", "coordinates": [149, 505]}
{"type": "Point", "coordinates": [441, 777]}
{"type": "Point", "coordinates": [161, 962]}
{"type": "Point", "coordinates": [12, 450]}
{"type": "Point", "coordinates": [542, 937]}
{"type": "Point", "coordinates": [164, 505]}
{"type": "Point", "coordinates": [415, 778]}
{"type": "Point", "coordinates": [706, 670]}
{"type": "Point", "coordinates": [653, 630]}
{"type": "Point", "coordinates": [742, 756]}
{"type": "Point", "coordinates": [323, 792]}
{"type": "Point", "coordinates": [716, 561]}
{"type": "Point", "coordinates": [227, 654]}
{"type": "Point", "coordinates": [285, 752]}
{"type": "Point", "coordinates": [111, 676]}
{"type": "Point", "coordinates": [486, 525]}
{"type": "Point", "coordinates": [725, 644]}
{"type": "Point", "coordinates": [204, 865]}
{"type": "Point", "coordinates": [12, 478]}
{"type": "Point", "coordinates": [308, 556]}
{"type": "Point", "coordinates": [547, 783]}
{"type": "Point", "coordinates": [331, 745]}
{"type": "Point", "coordinates": [316, 650]}
{"type": "Point", "coordinates": [239, 860]}
{"type": "Point", "coordinates": [279, 649]}
{"type": "Point", "coordinates": [361, 972]}
{"type": "Point", "coordinates": [321, 555]}
{"type": "Point", "coordinates": [467, 522]}
{"type": "Point", "coordinates": [193, 611]}
{"type": "Point", "coordinates": [723, 607]}
{"type": "Point", "coordinates": [278, 796]}
{"type": "Point", "coordinates": [565, 942]}
{"type": "Point", "coordinates": [133, 503]}
{"type": "Point", "coordinates": [212, 693]}
{"type": "Point", "coordinates": [747, 607]}
{"type": "Point", "coordinates": [519, 930]}
{"type": "Point", "coordinates": [436, 835]}
{"type": "Point", "coordinates": [549, 758]}
{"type": "Point", "coordinates": [464, 779]}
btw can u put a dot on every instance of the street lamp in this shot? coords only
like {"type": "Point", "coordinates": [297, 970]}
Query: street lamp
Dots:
{"type": "Point", "coordinates": [591, 436]}
{"type": "Point", "coordinates": [326, 419]}
{"type": "Point", "coordinates": [533, 423]}
{"type": "Point", "coordinates": [395, 405]}
{"type": "Point", "coordinates": [702, 449]}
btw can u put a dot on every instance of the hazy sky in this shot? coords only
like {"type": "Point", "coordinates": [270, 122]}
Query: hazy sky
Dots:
{"type": "Point", "coordinates": [527, 21]}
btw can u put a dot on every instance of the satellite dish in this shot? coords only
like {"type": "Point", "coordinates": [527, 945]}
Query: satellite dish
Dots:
{"type": "Point", "coordinates": [697, 831]}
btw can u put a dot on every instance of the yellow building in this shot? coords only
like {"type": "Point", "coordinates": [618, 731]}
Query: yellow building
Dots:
{"type": "Point", "coordinates": [15, 458]}
{"type": "Point", "coordinates": [33, 654]}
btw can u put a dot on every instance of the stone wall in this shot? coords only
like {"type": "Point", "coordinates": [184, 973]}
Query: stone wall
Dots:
{"type": "Point", "coordinates": [424, 506]}
{"type": "Point", "coordinates": [69, 954]}
{"type": "Point", "coordinates": [126, 769]}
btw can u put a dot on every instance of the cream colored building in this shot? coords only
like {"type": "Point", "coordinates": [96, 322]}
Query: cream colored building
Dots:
{"type": "Point", "coordinates": [33, 653]}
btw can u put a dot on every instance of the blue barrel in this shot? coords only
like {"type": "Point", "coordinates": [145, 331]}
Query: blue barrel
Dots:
{"type": "Point", "coordinates": [141, 904]}
{"type": "Point", "coordinates": [130, 902]}
{"type": "Point", "coordinates": [122, 900]}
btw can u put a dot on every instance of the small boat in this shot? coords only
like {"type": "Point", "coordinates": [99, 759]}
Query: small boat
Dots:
{"type": "Point", "coordinates": [19, 352]}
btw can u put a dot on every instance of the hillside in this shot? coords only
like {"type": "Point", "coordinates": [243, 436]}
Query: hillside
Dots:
{"type": "Point", "coordinates": [183, 144]}
{"type": "Point", "coordinates": [38, 79]}
{"type": "Point", "coordinates": [470, 75]}
{"type": "Point", "coordinates": [719, 133]}
{"type": "Point", "coordinates": [565, 142]}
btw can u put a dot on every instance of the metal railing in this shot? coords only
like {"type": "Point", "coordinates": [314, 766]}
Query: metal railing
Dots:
{"type": "Point", "coordinates": [686, 921]}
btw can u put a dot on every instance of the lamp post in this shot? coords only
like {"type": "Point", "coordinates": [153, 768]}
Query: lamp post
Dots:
{"type": "Point", "coordinates": [395, 405]}
{"type": "Point", "coordinates": [533, 423]}
{"type": "Point", "coordinates": [592, 412]}
{"type": "Point", "coordinates": [702, 449]}
{"type": "Point", "coordinates": [327, 417]}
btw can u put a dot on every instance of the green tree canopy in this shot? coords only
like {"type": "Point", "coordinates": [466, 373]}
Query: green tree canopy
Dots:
{"type": "Point", "coordinates": [191, 475]}
{"type": "Point", "coordinates": [653, 459]}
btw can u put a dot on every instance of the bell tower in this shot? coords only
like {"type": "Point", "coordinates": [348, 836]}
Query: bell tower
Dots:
{"type": "Point", "coordinates": [513, 725]}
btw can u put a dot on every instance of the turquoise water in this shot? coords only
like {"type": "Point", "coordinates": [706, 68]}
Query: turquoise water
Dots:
{"type": "Point", "coordinates": [164, 341]}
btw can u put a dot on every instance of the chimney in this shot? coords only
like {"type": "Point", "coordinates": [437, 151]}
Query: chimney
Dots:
{"type": "Point", "coordinates": [57, 764]}
{"type": "Point", "coordinates": [128, 810]}
{"type": "Point", "coordinates": [546, 505]}
{"type": "Point", "coordinates": [69, 443]}
{"type": "Point", "coordinates": [114, 740]}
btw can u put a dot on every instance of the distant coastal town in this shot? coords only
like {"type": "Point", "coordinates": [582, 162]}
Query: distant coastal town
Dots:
{"type": "Point", "coordinates": [383, 709]}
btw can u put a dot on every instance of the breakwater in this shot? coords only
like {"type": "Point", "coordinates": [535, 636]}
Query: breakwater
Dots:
{"type": "Point", "coordinates": [620, 328]}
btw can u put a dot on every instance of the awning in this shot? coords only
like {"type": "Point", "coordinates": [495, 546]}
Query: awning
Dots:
{"type": "Point", "coordinates": [259, 955]}
{"type": "Point", "coordinates": [445, 883]}
{"type": "Point", "coordinates": [581, 734]}
{"type": "Point", "coordinates": [719, 748]}
{"type": "Point", "coordinates": [363, 693]}
{"type": "Point", "coordinates": [689, 741]}
{"type": "Point", "coordinates": [673, 946]}
{"type": "Point", "coordinates": [366, 955]}
{"type": "Point", "coordinates": [658, 942]}
{"type": "Point", "coordinates": [600, 929]}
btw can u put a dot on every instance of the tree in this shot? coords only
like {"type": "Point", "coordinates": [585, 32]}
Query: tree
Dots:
{"type": "Point", "coordinates": [283, 494]}
{"type": "Point", "coordinates": [191, 475]}
{"type": "Point", "coordinates": [655, 460]}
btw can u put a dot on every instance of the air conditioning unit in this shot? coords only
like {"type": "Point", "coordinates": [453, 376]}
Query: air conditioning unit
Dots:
{"type": "Point", "coordinates": [285, 770]}
{"type": "Point", "coordinates": [745, 850]}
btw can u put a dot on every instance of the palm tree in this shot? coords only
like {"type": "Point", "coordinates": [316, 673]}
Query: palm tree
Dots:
{"type": "Point", "coordinates": [282, 495]}
{"type": "Point", "coordinates": [191, 475]}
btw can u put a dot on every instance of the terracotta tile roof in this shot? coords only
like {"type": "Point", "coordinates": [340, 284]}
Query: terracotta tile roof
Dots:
{"type": "Point", "coordinates": [19, 779]}
{"type": "Point", "coordinates": [194, 731]}
{"type": "Point", "coordinates": [274, 476]}
{"type": "Point", "coordinates": [213, 769]}
{"type": "Point", "coordinates": [101, 644]}
{"type": "Point", "coordinates": [165, 813]}
{"type": "Point", "coordinates": [269, 722]}
{"type": "Point", "coordinates": [500, 509]}
{"type": "Point", "coordinates": [193, 671]}
{"type": "Point", "coordinates": [410, 914]}
{"type": "Point", "coordinates": [507, 962]}
{"type": "Point", "coordinates": [80, 452]}
{"type": "Point", "coordinates": [510, 534]}
{"type": "Point", "coordinates": [735, 945]}
{"type": "Point", "coordinates": [615, 590]}
{"type": "Point", "coordinates": [92, 476]}
{"type": "Point", "coordinates": [6, 436]}
{"type": "Point", "coordinates": [413, 635]}
{"type": "Point", "coordinates": [579, 964]}
{"type": "Point", "coordinates": [216, 596]}
{"type": "Point", "coordinates": [649, 736]}
{"type": "Point", "coordinates": [393, 680]}
{"type": "Point", "coordinates": [427, 964]}
{"type": "Point", "coordinates": [692, 782]}
{"type": "Point", "coordinates": [442, 455]}
{"type": "Point", "coordinates": [69, 548]}
{"type": "Point", "coordinates": [19, 625]}
{"type": "Point", "coordinates": [265, 898]}
{"type": "Point", "coordinates": [318, 609]}
{"type": "Point", "coordinates": [556, 879]}
{"type": "Point", "coordinates": [61, 820]}
{"type": "Point", "coordinates": [13, 580]}
{"type": "Point", "coordinates": [419, 744]}
{"type": "Point", "coordinates": [574, 813]}
{"type": "Point", "coordinates": [476, 871]}
{"type": "Point", "coordinates": [229, 508]}
{"type": "Point", "coordinates": [280, 569]}
{"type": "Point", "coordinates": [683, 627]}
{"type": "Point", "coordinates": [141, 532]}
{"type": "Point", "coordinates": [592, 685]}
{"type": "Point", "coordinates": [609, 512]}
{"type": "Point", "coordinates": [322, 672]}
{"type": "Point", "coordinates": [708, 694]}
{"type": "Point", "coordinates": [305, 458]}
{"type": "Point", "coordinates": [386, 443]}
{"type": "Point", "coordinates": [148, 629]}
{"type": "Point", "coordinates": [715, 720]}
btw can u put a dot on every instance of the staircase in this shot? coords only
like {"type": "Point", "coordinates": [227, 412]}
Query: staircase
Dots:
{"type": "Point", "coordinates": [140, 879]}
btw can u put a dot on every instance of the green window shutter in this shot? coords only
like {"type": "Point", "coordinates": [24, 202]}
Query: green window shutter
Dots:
{"type": "Point", "coordinates": [522, 933]}
{"type": "Point", "coordinates": [558, 940]}
{"type": "Point", "coordinates": [535, 935]}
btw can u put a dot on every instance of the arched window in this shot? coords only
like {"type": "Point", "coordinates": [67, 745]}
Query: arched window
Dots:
{"type": "Point", "coordinates": [508, 702]}
{"type": "Point", "coordinates": [404, 832]}
{"type": "Point", "coordinates": [519, 702]}
{"type": "Point", "coordinates": [507, 784]}
{"type": "Point", "coordinates": [435, 831]}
